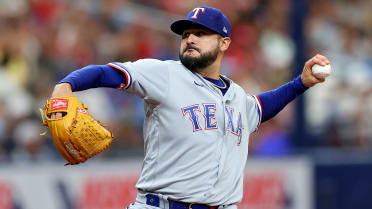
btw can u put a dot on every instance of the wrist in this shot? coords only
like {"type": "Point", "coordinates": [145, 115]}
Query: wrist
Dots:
{"type": "Point", "coordinates": [302, 83]}
{"type": "Point", "coordinates": [61, 90]}
{"type": "Point", "coordinates": [299, 85]}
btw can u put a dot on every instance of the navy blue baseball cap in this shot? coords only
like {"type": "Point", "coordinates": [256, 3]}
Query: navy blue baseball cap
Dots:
{"type": "Point", "coordinates": [208, 17]}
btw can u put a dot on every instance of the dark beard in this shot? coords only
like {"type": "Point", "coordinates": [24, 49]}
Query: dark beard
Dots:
{"type": "Point", "coordinates": [196, 63]}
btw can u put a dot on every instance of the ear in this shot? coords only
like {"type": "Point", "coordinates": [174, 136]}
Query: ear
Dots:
{"type": "Point", "coordinates": [225, 43]}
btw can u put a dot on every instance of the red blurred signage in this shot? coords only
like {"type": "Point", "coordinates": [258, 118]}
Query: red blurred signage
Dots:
{"type": "Point", "coordinates": [108, 192]}
{"type": "Point", "coordinates": [263, 191]}
{"type": "Point", "coordinates": [5, 196]}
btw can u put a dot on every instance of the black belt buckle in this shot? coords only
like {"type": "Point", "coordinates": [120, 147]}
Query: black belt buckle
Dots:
{"type": "Point", "coordinates": [182, 205]}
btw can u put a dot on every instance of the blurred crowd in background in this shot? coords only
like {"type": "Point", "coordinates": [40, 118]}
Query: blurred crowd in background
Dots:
{"type": "Point", "coordinates": [41, 41]}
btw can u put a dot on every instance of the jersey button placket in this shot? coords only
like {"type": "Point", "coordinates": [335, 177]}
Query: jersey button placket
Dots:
{"type": "Point", "coordinates": [224, 116]}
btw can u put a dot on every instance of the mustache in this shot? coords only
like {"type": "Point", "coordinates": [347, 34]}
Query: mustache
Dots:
{"type": "Point", "coordinates": [191, 47]}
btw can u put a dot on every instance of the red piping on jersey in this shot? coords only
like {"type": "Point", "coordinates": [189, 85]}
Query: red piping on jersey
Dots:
{"type": "Point", "coordinates": [259, 101]}
{"type": "Point", "coordinates": [122, 70]}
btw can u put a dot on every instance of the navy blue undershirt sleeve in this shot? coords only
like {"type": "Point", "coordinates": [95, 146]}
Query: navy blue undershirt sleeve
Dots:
{"type": "Point", "coordinates": [94, 76]}
{"type": "Point", "coordinates": [275, 100]}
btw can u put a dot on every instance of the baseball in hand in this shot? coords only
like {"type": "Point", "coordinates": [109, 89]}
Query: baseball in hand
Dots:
{"type": "Point", "coordinates": [321, 71]}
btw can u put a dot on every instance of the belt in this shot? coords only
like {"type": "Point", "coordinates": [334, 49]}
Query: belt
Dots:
{"type": "Point", "coordinates": [154, 200]}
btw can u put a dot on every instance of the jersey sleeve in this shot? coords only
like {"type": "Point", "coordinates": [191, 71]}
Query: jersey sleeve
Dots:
{"type": "Point", "coordinates": [254, 111]}
{"type": "Point", "coordinates": [147, 78]}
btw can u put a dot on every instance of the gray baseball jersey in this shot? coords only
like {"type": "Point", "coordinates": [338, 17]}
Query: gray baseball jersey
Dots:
{"type": "Point", "coordinates": [196, 139]}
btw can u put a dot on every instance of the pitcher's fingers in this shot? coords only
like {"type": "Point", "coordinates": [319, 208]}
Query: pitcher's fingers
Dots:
{"type": "Point", "coordinates": [56, 115]}
{"type": "Point", "coordinates": [323, 59]}
{"type": "Point", "coordinates": [313, 61]}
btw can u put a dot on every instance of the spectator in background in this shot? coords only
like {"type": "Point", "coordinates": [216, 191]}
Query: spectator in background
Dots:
{"type": "Point", "coordinates": [343, 31]}
{"type": "Point", "coordinates": [274, 143]}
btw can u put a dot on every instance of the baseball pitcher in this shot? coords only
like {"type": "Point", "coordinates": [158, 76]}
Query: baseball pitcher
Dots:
{"type": "Point", "coordinates": [197, 121]}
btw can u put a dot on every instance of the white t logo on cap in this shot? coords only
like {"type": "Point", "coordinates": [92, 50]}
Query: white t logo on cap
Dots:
{"type": "Point", "coordinates": [197, 11]}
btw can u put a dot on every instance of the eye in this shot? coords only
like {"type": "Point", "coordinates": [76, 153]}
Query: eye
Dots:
{"type": "Point", "coordinates": [200, 33]}
{"type": "Point", "coordinates": [185, 35]}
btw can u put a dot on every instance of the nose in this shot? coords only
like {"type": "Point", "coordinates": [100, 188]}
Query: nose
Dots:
{"type": "Point", "coordinates": [191, 39]}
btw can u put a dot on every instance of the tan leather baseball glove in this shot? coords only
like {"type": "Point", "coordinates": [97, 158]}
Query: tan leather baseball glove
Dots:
{"type": "Point", "coordinates": [77, 135]}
